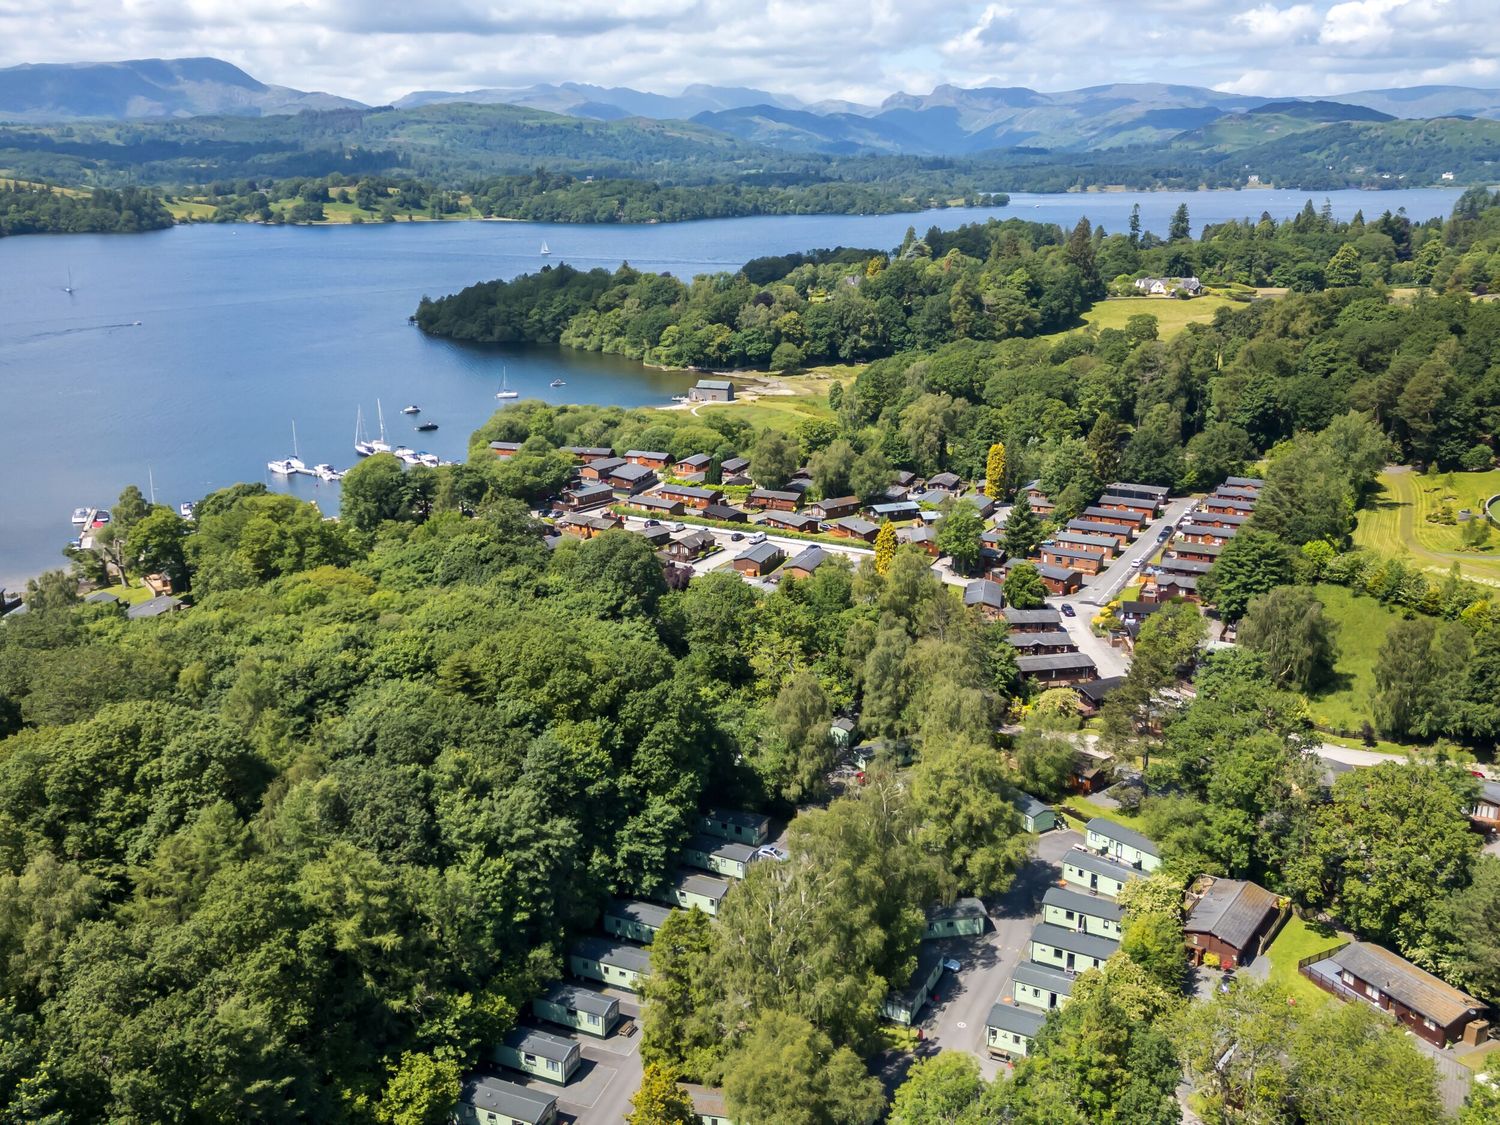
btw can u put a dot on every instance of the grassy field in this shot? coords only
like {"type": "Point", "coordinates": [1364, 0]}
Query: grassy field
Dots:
{"type": "Point", "coordinates": [807, 398]}
{"type": "Point", "coordinates": [1172, 316]}
{"type": "Point", "coordinates": [1299, 939]}
{"type": "Point", "coordinates": [1395, 523]}
{"type": "Point", "coordinates": [1363, 623]}
{"type": "Point", "coordinates": [130, 595]}
{"type": "Point", "coordinates": [1087, 810]}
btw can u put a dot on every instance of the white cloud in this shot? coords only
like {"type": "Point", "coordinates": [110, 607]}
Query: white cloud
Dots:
{"type": "Point", "coordinates": [376, 50]}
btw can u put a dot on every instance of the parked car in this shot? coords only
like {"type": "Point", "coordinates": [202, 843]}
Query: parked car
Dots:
{"type": "Point", "coordinates": [952, 966]}
{"type": "Point", "coordinates": [735, 537]}
{"type": "Point", "coordinates": [1068, 611]}
{"type": "Point", "coordinates": [1136, 564]}
{"type": "Point", "coordinates": [653, 523]}
{"type": "Point", "coordinates": [679, 527]}
{"type": "Point", "coordinates": [758, 537]}
{"type": "Point", "coordinates": [770, 851]}
{"type": "Point", "coordinates": [1164, 533]}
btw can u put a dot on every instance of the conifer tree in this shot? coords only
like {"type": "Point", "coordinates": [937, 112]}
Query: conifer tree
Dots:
{"type": "Point", "coordinates": [994, 471]}
{"type": "Point", "coordinates": [885, 547]}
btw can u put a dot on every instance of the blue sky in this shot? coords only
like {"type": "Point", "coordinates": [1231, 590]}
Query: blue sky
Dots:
{"type": "Point", "coordinates": [375, 50]}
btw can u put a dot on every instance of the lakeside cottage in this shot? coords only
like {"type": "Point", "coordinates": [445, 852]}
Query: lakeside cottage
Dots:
{"type": "Point", "coordinates": [759, 560]}
{"type": "Point", "coordinates": [1425, 1005]}
{"type": "Point", "coordinates": [772, 500]}
{"type": "Point", "coordinates": [1062, 669]}
{"type": "Point", "coordinates": [650, 458]}
{"type": "Point", "coordinates": [712, 390]}
{"type": "Point", "coordinates": [1230, 918]}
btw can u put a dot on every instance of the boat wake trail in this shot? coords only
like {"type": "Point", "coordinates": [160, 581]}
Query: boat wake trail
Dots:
{"type": "Point", "coordinates": [76, 331]}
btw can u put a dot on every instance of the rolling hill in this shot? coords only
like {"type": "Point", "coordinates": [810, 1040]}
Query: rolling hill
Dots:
{"type": "Point", "coordinates": [146, 88]}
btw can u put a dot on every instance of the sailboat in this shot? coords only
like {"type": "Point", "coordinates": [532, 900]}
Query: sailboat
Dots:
{"type": "Point", "coordinates": [545, 251]}
{"type": "Point", "coordinates": [362, 445]}
{"type": "Point", "coordinates": [68, 288]}
{"type": "Point", "coordinates": [380, 445]}
{"type": "Point", "coordinates": [289, 466]}
{"type": "Point", "coordinates": [505, 391]}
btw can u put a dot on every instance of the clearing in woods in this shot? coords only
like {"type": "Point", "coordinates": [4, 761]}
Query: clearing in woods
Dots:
{"type": "Point", "coordinates": [1395, 521]}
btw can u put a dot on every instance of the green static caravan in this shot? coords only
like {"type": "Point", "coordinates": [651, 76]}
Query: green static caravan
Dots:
{"type": "Point", "coordinates": [538, 1053]}
{"type": "Point", "coordinates": [634, 920]}
{"type": "Point", "coordinates": [492, 1101]}
{"type": "Point", "coordinates": [687, 890]}
{"type": "Point", "coordinates": [735, 825]}
{"type": "Point", "coordinates": [1041, 986]}
{"type": "Point", "coordinates": [576, 1007]}
{"type": "Point", "coordinates": [1125, 844]}
{"type": "Point", "coordinates": [902, 1007]}
{"type": "Point", "coordinates": [1091, 872]}
{"type": "Point", "coordinates": [1035, 816]}
{"type": "Point", "coordinates": [722, 857]}
{"type": "Point", "coordinates": [610, 962]}
{"type": "Point", "coordinates": [1088, 913]}
{"type": "Point", "coordinates": [1069, 949]}
{"type": "Point", "coordinates": [963, 918]}
{"type": "Point", "coordinates": [1011, 1029]}
{"type": "Point", "coordinates": [708, 1104]}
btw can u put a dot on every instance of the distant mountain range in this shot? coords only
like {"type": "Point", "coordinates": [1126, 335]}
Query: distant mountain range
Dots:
{"type": "Point", "coordinates": [950, 121]}
{"type": "Point", "coordinates": [145, 88]}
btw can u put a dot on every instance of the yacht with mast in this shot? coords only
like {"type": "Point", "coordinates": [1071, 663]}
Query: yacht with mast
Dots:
{"type": "Point", "coordinates": [289, 466]}
{"type": "Point", "coordinates": [505, 391]}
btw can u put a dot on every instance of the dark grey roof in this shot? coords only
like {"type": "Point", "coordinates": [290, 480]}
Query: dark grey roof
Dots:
{"type": "Point", "coordinates": [705, 885]}
{"type": "Point", "coordinates": [98, 597]}
{"type": "Point", "coordinates": [773, 494]}
{"type": "Point", "coordinates": [928, 958]}
{"type": "Point", "coordinates": [943, 480]}
{"type": "Point", "coordinates": [724, 849]}
{"type": "Point", "coordinates": [1183, 566]}
{"type": "Point", "coordinates": [581, 999]}
{"type": "Point", "coordinates": [797, 520]}
{"type": "Point", "coordinates": [1107, 514]}
{"type": "Point", "coordinates": [1245, 482]}
{"type": "Point", "coordinates": [619, 953]}
{"type": "Point", "coordinates": [1180, 581]}
{"type": "Point", "coordinates": [1233, 519]}
{"type": "Point", "coordinates": [1030, 805]}
{"type": "Point", "coordinates": [1054, 662]}
{"type": "Point", "coordinates": [734, 464]}
{"type": "Point", "coordinates": [1094, 905]}
{"type": "Point", "coordinates": [1082, 539]}
{"type": "Point", "coordinates": [634, 910]}
{"type": "Point", "coordinates": [1047, 977]}
{"type": "Point", "coordinates": [506, 1098]}
{"type": "Point", "coordinates": [1096, 691]}
{"type": "Point", "coordinates": [1132, 502]}
{"type": "Point", "coordinates": [1138, 609]}
{"type": "Point", "coordinates": [632, 472]}
{"type": "Point", "coordinates": [715, 384]}
{"type": "Point", "coordinates": [984, 592]}
{"type": "Point", "coordinates": [1040, 640]}
{"type": "Point", "coordinates": [155, 607]}
{"type": "Point", "coordinates": [511, 445]}
{"type": "Point", "coordinates": [1032, 616]}
{"type": "Point", "coordinates": [916, 534]}
{"type": "Point", "coordinates": [664, 503]}
{"type": "Point", "coordinates": [839, 502]}
{"type": "Point", "coordinates": [1056, 573]}
{"type": "Point", "coordinates": [604, 464]}
{"type": "Point", "coordinates": [856, 525]}
{"type": "Point", "coordinates": [1231, 910]}
{"type": "Point", "coordinates": [593, 488]}
{"type": "Point", "coordinates": [1232, 492]}
{"type": "Point", "coordinates": [723, 512]}
{"type": "Point", "coordinates": [697, 460]}
{"type": "Point", "coordinates": [1112, 530]}
{"type": "Point", "coordinates": [1205, 529]}
{"type": "Point", "coordinates": [1121, 488]}
{"type": "Point", "coordinates": [1068, 551]}
{"type": "Point", "coordinates": [1229, 502]}
{"type": "Point", "coordinates": [809, 558]}
{"type": "Point", "coordinates": [589, 450]}
{"type": "Point", "coordinates": [695, 540]}
{"type": "Point", "coordinates": [654, 454]}
{"type": "Point", "coordinates": [1102, 826]}
{"type": "Point", "coordinates": [1212, 550]}
{"type": "Point", "coordinates": [687, 490]}
{"type": "Point", "coordinates": [741, 817]}
{"type": "Point", "coordinates": [541, 1043]}
{"type": "Point", "coordinates": [960, 908]}
{"type": "Point", "coordinates": [1013, 1017]}
{"type": "Point", "coordinates": [1398, 978]}
{"type": "Point", "coordinates": [1072, 941]}
{"type": "Point", "coordinates": [1101, 865]}
{"type": "Point", "coordinates": [761, 553]}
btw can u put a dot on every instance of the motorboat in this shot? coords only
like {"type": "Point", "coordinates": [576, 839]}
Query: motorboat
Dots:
{"type": "Point", "coordinates": [81, 515]}
{"type": "Point", "coordinates": [429, 459]}
{"type": "Point", "coordinates": [558, 383]}
{"type": "Point", "coordinates": [427, 427]}
{"type": "Point", "coordinates": [285, 466]}
{"type": "Point", "coordinates": [186, 509]}
{"type": "Point", "coordinates": [327, 472]}
{"type": "Point", "coordinates": [411, 410]}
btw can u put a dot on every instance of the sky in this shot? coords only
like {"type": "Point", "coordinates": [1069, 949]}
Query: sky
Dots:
{"type": "Point", "coordinates": [861, 50]}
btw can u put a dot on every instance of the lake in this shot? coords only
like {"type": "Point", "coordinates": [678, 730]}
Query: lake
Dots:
{"type": "Point", "coordinates": [185, 356]}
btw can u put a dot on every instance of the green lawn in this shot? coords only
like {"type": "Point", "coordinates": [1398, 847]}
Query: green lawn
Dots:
{"type": "Point", "coordinates": [1363, 623]}
{"type": "Point", "coordinates": [1299, 939]}
{"type": "Point", "coordinates": [808, 399]}
{"type": "Point", "coordinates": [1088, 810]}
{"type": "Point", "coordinates": [1395, 522]}
{"type": "Point", "coordinates": [130, 595]}
{"type": "Point", "coordinates": [1172, 315]}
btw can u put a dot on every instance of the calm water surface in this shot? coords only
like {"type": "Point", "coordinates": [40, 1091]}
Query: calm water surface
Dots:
{"type": "Point", "coordinates": [243, 330]}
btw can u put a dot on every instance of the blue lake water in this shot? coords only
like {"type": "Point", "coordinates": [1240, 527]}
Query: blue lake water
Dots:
{"type": "Point", "coordinates": [244, 330]}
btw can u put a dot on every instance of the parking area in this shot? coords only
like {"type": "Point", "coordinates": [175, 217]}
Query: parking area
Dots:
{"type": "Point", "coordinates": [954, 1020]}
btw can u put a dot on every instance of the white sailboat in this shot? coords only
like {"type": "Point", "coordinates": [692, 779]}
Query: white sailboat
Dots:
{"type": "Point", "coordinates": [362, 445]}
{"type": "Point", "coordinates": [505, 391]}
{"type": "Point", "coordinates": [289, 466]}
{"type": "Point", "coordinates": [380, 445]}
{"type": "Point", "coordinates": [68, 288]}
{"type": "Point", "coordinates": [545, 251]}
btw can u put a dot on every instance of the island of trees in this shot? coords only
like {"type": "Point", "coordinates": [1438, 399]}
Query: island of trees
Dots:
{"type": "Point", "coordinates": [40, 209]}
